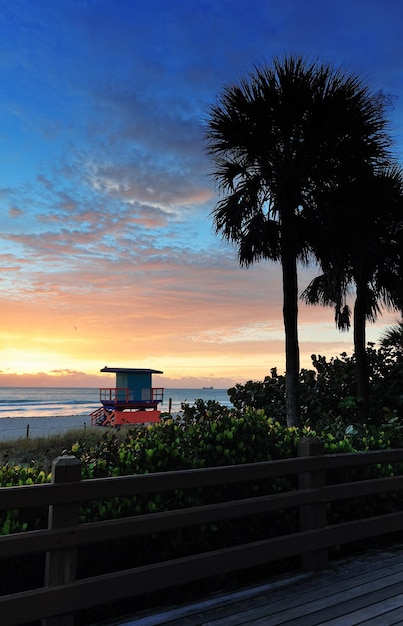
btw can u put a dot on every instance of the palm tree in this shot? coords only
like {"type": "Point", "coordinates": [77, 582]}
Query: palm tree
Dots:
{"type": "Point", "coordinates": [279, 140]}
{"type": "Point", "coordinates": [366, 258]}
{"type": "Point", "coordinates": [393, 337]}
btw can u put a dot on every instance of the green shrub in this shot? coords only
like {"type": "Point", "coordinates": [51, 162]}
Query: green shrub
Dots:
{"type": "Point", "coordinates": [205, 434]}
{"type": "Point", "coordinates": [327, 393]}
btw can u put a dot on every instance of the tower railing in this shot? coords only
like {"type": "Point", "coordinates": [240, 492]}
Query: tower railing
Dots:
{"type": "Point", "coordinates": [113, 395]}
{"type": "Point", "coordinates": [157, 394]}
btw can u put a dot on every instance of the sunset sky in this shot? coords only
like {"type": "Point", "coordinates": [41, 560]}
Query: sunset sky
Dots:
{"type": "Point", "coordinates": [108, 254]}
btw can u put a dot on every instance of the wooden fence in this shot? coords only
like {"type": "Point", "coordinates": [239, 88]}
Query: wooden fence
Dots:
{"type": "Point", "coordinates": [62, 594]}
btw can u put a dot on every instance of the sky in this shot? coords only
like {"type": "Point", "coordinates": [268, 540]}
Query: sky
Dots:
{"type": "Point", "coordinates": [108, 254]}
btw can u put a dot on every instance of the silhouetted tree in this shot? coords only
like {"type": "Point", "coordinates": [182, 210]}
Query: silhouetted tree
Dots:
{"type": "Point", "coordinates": [280, 139]}
{"type": "Point", "coordinates": [360, 252]}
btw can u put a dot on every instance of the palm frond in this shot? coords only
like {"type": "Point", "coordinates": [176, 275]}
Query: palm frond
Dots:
{"type": "Point", "coordinates": [260, 240]}
{"type": "Point", "coordinates": [328, 289]}
{"type": "Point", "coordinates": [393, 336]}
{"type": "Point", "coordinates": [343, 318]}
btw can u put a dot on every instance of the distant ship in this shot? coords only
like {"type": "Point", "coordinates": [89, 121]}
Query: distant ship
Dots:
{"type": "Point", "coordinates": [207, 387]}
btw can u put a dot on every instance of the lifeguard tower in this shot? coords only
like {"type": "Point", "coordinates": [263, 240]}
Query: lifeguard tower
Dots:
{"type": "Point", "coordinates": [132, 401]}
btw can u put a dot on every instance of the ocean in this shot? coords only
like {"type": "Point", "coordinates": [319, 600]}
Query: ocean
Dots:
{"type": "Point", "coordinates": [42, 411]}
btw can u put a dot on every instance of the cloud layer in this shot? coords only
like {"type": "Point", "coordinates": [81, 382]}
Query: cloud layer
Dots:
{"type": "Point", "coordinates": [108, 254]}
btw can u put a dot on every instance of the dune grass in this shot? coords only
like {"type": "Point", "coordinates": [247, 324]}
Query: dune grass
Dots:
{"type": "Point", "coordinates": [40, 451]}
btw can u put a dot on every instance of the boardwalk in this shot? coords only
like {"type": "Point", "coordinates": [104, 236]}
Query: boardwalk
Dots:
{"type": "Point", "coordinates": [367, 590]}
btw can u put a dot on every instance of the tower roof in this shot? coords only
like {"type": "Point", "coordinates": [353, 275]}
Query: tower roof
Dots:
{"type": "Point", "coordinates": [131, 370]}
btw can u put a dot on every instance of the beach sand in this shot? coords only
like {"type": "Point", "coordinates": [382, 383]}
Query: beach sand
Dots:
{"type": "Point", "coordinates": [20, 427]}
{"type": "Point", "coordinates": [12, 428]}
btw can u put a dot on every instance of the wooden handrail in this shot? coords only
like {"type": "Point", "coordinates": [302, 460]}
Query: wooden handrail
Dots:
{"type": "Point", "coordinates": [61, 595]}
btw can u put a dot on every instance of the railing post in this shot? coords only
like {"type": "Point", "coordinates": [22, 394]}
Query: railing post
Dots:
{"type": "Point", "coordinates": [312, 516]}
{"type": "Point", "coordinates": [61, 565]}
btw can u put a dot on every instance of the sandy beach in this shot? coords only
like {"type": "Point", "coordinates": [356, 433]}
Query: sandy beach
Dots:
{"type": "Point", "coordinates": [21, 427]}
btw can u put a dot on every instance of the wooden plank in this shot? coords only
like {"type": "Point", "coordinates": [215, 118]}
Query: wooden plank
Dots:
{"type": "Point", "coordinates": [354, 459]}
{"type": "Point", "coordinates": [376, 612]}
{"type": "Point", "coordinates": [334, 606]}
{"type": "Point", "coordinates": [362, 488]}
{"type": "Point", "coordinates": [137, 581]}
{"type": "Point", "coordinates": [216, 604]}
{"type": "Point", "coordinates": [92, 489]}
{"type": "Point", "coordinates": [356, 530]}
{"type": "Point", "coordinates": [302, 609]}
{"type": "Point", "coordinates": [61, 564]}
{"type": "Point", "coordinates": [265, 605]}
{"type": "Point", "coordinates": [38, 495]}
{"type": "Point", "coordinates": [35, 541]}
{"type": "Point", "coordinates": [267, 609]}
{"type": "Point", "coordinates": [391, 617]}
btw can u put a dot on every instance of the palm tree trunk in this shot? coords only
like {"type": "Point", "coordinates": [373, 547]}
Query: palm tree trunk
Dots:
{"type": "Point", "coordinates": [362, 385]}
{"type": "Point", "coordinates": [290, 316]}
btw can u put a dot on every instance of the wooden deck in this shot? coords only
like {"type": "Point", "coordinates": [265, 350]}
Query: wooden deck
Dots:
{"type": "Point", "coordinates": [366, 590]}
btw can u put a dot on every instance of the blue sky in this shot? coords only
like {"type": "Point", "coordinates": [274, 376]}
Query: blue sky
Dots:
{"type": "Point", "coordinates": [108, 254]}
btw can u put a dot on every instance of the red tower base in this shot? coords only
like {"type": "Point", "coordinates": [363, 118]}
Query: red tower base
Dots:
{"type": "Point", "coordinates": [136, 417]}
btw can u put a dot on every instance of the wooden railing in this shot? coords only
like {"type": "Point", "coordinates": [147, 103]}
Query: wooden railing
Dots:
{"type": "Point", "coordinates": [62, 595]}
{"type": "Point", "coordinates": [113, 394]}
{"type": "Point", "coordinates": [123, 394]}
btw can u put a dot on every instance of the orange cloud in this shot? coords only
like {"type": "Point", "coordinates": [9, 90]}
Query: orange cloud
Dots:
{"type": "Point", "coordinates": [199, 324]}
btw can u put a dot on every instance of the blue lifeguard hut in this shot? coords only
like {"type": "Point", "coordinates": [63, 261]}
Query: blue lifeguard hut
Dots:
{"type": "Point", "coordinates": [133, 400]}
